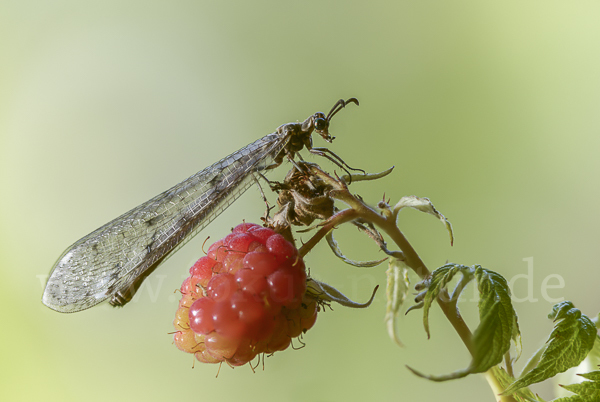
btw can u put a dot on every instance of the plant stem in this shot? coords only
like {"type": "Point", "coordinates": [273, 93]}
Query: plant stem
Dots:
{"type": "Point", "coordinates": [412, 259]}
{"type": "Point", "coordinates": [446, 303]}
{"type": "Point", "coordinates": [386, 221]}
{"type": "Point", "coordinates": [497, 388]}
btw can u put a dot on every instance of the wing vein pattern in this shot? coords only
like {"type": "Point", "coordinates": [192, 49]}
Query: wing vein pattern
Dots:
{"type": "Point", "coordinates": [110, 258]}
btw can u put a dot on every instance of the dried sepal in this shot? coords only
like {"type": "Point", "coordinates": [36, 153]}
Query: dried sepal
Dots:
{"type": "Point", "coordinates": [325, 293]}
{"type": "Point", "coordinates": [338, 253]}
{"type": "Point", "coordinates": [424, 205]}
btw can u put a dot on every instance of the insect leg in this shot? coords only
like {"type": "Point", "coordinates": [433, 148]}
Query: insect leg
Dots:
{"type": "Point", "coordinates": [262, 193]}
{"type": "Point", "coordinates": [338, 160]}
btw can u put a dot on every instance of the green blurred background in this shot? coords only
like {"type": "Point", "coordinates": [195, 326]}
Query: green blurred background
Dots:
{"type": "Point", "coordinates": [490, 109]}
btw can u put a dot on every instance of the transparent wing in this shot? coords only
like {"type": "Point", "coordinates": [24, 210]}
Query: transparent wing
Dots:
{"type": "Point", "coordinates": [113, 256]}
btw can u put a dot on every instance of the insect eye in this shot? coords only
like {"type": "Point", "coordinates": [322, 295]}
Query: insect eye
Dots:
{"type": "Point", "coordinates": [320, 124]}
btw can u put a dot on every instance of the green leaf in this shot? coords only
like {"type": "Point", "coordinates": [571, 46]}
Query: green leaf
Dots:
{"type": "Point", "coordinates": [591, 362]}
{"type": "Point", "coordinates": [438, 281]}
{"type": "Point", "coordinates": [569, 343]}
{"type": "Point", "coordinates": [587, 391]}
{"type": "Point", "coordinates": [522, 395]}
{"type": "Point", "coordinates": [534, 360]}
{"type": "Point", "coordinates": [593, 358]}
{"type": "Point", "coordinates": [498, 321]}
{"type": "Point", "coordinates": [497, 318]}
{"type": "Point", "coordinates": [396, 291]}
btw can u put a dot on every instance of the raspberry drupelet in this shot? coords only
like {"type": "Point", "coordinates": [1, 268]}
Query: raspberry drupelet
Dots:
{"type": "Point", "coordinates": [246, 297]}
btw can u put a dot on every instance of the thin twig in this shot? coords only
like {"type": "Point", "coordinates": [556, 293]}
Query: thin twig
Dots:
{"type": "Point", "coordinates": [411, 258]}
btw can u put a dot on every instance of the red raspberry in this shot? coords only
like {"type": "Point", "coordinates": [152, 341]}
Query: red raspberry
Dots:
{"type": "Point", "coordinates": [200, 316]}
{"type": "Point", "coordinates": [246, 297]}
{"type": "Point", "coordinates": [203, 269]}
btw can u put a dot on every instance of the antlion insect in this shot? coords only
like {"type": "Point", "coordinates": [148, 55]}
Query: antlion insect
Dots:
{"type": "Point", "coordinates": [112, 261]}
